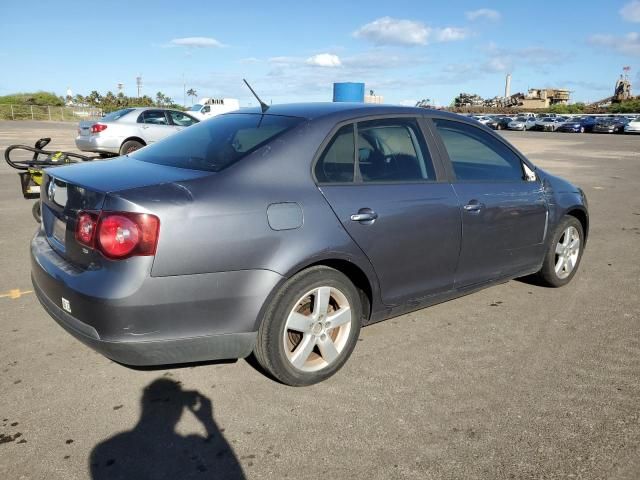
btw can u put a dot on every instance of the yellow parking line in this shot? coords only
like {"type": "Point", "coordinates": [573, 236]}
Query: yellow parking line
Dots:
{"type": "Point", "coordinates": [15, 293]}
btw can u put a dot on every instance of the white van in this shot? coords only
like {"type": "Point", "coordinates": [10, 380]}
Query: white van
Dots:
{"type": "Point", "coordinates": [210, 107]}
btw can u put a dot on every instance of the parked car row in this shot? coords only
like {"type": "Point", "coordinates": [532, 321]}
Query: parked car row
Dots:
{"type": "Point", "coordinates": [558, 123]}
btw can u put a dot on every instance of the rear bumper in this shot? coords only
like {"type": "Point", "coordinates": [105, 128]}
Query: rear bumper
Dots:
{"type": "Point", "coordinates": [157, 320]}
{"type": "Point", "coordinates": [160, 352]}
{"type": "Point", "coordinates": [98, 144]}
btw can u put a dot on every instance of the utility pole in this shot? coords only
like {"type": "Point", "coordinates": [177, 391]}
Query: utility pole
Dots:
{"type": "Point", "coordinates": [139, 84]}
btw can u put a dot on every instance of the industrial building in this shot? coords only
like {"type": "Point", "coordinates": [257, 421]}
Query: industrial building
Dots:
{"type": "Point", "coordinates": [538, 98]}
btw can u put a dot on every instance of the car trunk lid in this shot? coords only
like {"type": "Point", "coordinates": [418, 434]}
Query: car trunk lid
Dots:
{"type": "Point", "coordinates": [84, 128]}
{"type": "Point", "coordinates": [69, 190]}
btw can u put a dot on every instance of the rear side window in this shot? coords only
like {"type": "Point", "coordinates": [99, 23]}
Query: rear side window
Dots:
{"type": "Point", "coordinates": [477, 156]}
{"type": "Point", "coordinates": [113, 116]}
{"type": "Point", "coordinates": [217, 143]}
{"type": "Point", "coordinates": [153, 117]}
{"type": "Point", "coordinates": [336, 164]}
{"type": "Point", "coordinates": [393, 150]}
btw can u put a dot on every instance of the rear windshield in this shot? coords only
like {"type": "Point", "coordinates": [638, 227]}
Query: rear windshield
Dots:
{"type": "Point", "coordinates": [217, 143]}
{"type": "Point", "coordinates": [110, 117]}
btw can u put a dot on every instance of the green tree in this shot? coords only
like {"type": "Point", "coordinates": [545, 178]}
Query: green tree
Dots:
{"type": "Point", "coordinates": [94, 99]}
{"type": "Point", "coordinates": [192, 93]}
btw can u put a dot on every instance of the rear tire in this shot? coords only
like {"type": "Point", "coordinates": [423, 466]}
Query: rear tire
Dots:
{"type": "Point", "coordinates": [564, 253]}
{"type": "Point", "coordinates": [310, 328]}
{"type": "Point", "coordinates": [130, 146]}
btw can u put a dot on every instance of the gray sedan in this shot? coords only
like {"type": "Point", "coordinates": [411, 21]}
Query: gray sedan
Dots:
{"type": "Point", "coordinates": [129, 129]}
{"type": "Point", "coordinates": [283, 233]}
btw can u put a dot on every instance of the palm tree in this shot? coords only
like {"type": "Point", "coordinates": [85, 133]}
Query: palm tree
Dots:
{"type": "Point", "coordinates": [192, 93]}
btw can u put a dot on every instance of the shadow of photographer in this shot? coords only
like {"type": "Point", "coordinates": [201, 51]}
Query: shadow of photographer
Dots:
{"type": "Point", "coordinates": [154, 450]}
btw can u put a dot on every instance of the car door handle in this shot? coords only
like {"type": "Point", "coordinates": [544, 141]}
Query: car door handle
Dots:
{"type": "Point", "coordinates": [364, 215]}
{"type": "Point", "coordinates": [473, 206]}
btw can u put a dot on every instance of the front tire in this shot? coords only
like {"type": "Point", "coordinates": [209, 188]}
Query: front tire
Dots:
{"type": "Point", "coordinates": [310, 328]}
{"type": "Point", "coordinates": [563, 253]}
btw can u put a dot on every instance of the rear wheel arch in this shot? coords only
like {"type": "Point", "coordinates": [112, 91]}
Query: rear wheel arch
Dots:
{"type": "Point", "coordinates": [132, 139]}
{"type": "Point", "coordinates": [359, 279]}
{"type": "Point", "coordinates": [353, 272]}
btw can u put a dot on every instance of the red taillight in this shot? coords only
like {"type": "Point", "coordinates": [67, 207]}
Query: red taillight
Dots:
{"type": "Point", "coordinates": [98, 127]}
{"type": "Point", "coordinates": [119, 234]}
{"type": "Point", "coordinates": [86, 228]}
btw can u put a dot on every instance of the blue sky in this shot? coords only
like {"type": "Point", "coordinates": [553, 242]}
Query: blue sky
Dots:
{"type": "Point", "coordinates": [295, 50]}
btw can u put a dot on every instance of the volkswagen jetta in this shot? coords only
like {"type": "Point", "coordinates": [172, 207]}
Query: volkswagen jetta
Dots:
{"type": "Point", "coordinates": [283, 232]}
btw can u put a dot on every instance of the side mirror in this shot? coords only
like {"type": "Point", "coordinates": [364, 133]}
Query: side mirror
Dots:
{"type": "Point", "coordinates": [529, 175]}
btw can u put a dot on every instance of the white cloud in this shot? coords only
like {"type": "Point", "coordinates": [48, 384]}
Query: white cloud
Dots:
{"type": "Point", "coordinates": [408, 103]}
{"type": "Point", "coordinates": [631, 11]}
{"type": "Point", "coordinates": [628, 44]}
{"type": "Point", "coordinates": [483, 14]}
{"type": "Point", "coordinates": [393, 31]}
{"type": "Point", "coordinates": [324, 60]}
{"type": "Point", "coordinates": [450, 34]}
{"type": "Point", "coordinates": [196, 42]}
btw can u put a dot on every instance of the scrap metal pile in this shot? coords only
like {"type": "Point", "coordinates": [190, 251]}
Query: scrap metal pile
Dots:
{"type": "Point", "coordinates": [473, 100]}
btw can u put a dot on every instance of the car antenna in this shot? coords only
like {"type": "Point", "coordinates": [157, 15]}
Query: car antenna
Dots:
{"type": "Point", "coordinates": [263, 105]}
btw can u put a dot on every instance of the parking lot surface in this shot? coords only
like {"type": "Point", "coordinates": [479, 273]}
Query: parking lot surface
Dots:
{"type": "Point", "coordinates": [516, 381]}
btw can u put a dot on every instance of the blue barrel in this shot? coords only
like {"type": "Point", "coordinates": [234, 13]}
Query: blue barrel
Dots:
{"type": "Point", "coordinates": [348, 92]}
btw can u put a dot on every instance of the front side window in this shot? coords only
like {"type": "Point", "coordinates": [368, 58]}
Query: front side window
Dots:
{"type": "Point", "coordinates": [181, 119]}
{"type": "Point", "coordinates": [217, 143]}
{"type": "Point", "coordinates": [393, 150]}
{"type": "Point", "coordinates": [476, 155]}
{"type": "Point", "coordinates": [336, 164]}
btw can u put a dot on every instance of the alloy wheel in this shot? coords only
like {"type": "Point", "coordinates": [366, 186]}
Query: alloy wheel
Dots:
{"type": "Point", "coordinates": [317, 329]}
{"type": "Point", "coordinates": [567, 252]}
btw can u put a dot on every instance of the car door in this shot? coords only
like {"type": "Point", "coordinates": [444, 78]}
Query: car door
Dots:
{"type": "Point", "coordinates": [154, 126]}
{"type": "Point", "coordinates": [394, 201]}
{"type": "Point", "coordinates": [503, 206]}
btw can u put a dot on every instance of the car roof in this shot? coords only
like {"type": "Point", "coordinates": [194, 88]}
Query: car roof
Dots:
{"type": "Point", "coordinates": [343, 110]}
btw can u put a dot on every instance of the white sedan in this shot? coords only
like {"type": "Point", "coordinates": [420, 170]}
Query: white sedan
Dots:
{"type": "Point", "coordinates": [124, 131]}
{"type": "Point", "coordinates": [633, 126]}
{"type": "Point", "coordinates": [522, 123]}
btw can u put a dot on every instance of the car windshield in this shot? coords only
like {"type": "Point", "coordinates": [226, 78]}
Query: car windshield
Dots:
{"type": "Point", "coordinates": [520, 119]}
{"type": "Point", "coordinates": [113, 116]}
{"type": "Point", "coordinates": [217, 143]}
{"type": "Point", "coordinates": [195, 108]}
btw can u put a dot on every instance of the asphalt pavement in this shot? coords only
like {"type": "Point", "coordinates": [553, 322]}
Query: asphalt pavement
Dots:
{"type": "Point", "coordinates": [516, 381]}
